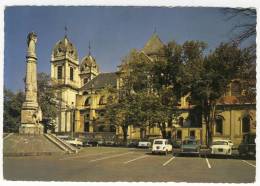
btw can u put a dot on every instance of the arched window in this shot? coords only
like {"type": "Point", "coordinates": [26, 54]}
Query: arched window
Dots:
{"type": "Point", "coordinates": [246, 124]}
{"type": "Point", "coordinates": [179, 134]}
{"type": "Point", "coordinates": [102, 100]}
{"type": "Point", "coordinates": [235, 88]}
{"type": "Point", "coordinates": [219, 125]}
{"type": "Point", "coordinates": [88, 101]}
{"type": "Point", "coordinates": [59, 72]}
{"type": "Point", "coordinates": [85, 80]}
{"type": "Point", "coordinates": [71, 73]}
{"type": "Point", "coordinates": [181, 119]}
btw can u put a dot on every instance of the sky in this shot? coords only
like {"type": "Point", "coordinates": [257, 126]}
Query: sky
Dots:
{"type": "Point", "coordinates": [111, 31]}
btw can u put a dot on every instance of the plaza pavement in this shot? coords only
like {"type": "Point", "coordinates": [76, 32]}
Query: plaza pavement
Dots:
{"type": "Point", "coordinates": [126, 164]}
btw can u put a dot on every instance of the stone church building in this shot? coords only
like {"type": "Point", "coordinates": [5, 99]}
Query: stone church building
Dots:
{"type": "Point", "coordinates": [83, 93]}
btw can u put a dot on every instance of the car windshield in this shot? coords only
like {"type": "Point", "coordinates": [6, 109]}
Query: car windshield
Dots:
{"type": "Point", "coordinates": [220, 143]}
{"type": "Point", "coordinates": [158, 142]}
{"type": "Point", "coordinates": [189, 142]}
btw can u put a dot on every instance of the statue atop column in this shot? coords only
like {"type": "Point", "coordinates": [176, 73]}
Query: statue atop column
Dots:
{"type": "Point", "coordinates": [31, 114]}
{"type": "Point", "coordinates": [31, 43]}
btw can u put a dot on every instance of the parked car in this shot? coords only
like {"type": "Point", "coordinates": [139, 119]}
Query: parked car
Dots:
{"type": "Point", "coordinates": [90, 143]}
{"type": "Point", "coordinates": [161, 146]}
{"type": "Point", "coordinates": [75, 142]}
{"type": "Point", "coordinates": [176, 143]}
{"type": "Point", "coordinates": [189, 146]}
{"type": "Point", "coordinates": [132, 144]}
{"type": "Point", "coordinates": [221, 147]}
{"type": "Point", "coordinates": [109, 143]}
{"type": "Point", "coordinates": [248, 147]}
{"type": "Point", "coordinates": [144, 144]}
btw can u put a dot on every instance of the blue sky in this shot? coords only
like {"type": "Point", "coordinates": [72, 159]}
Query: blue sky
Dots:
{"type": "Point", "coordinates": [112, 32]}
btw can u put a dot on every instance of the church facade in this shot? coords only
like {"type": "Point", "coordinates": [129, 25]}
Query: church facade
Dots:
{"type": "Point", "coordinates": [83, 93]}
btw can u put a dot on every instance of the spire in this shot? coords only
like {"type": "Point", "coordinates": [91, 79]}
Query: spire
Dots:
{"type": "Point", "coordinates": [89, 49]}
{"type": "Point", "coordinates": [65, 30]}
{"type": "Point", "coordinates": [154, 31]}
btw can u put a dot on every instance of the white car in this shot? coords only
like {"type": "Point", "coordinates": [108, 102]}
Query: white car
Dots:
{"type": "Point", "coordinates": [144, 144]}
{"type": "Point", "coordinates": [75, 142]}
{"type": "Point", "coordinates": [161, 146]}
{"type": "Point", "coordinates": [221, 147]}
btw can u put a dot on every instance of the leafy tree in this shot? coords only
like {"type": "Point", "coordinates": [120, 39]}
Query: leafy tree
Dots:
{"type": "Point", "coordinates": [216, 72]}
{"type": "Point", "coordinates": [47, 100]}
{"type": "Point", "coordinates": [121, 113]}
{"type": "Point", "coordinates": [153, 95]}
{"type": "Point", "coordinates": [12, 110]}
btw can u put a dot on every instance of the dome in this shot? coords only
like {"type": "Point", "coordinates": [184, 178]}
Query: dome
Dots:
{"type": "Point", "coordinates": [87, 62]}
{"type": "Point", "coordinates": [65, 47]}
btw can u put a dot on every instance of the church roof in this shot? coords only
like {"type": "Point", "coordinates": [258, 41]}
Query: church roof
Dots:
{"type": "Point", "coordinates": [101, 81]}
{"type": "Point", "coordinates": [153, 45]}
{"type": "Point", "coordinates": [64, 47]}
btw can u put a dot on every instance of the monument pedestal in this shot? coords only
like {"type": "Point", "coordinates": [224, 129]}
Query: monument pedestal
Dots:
{"type": "Point", "coordinates": [31, 129]}
{"type": "Point", "coordinates": [30, 119]}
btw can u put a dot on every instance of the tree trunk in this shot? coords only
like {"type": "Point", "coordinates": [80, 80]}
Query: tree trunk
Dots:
{"type": "Point", "coordinates": [212, 119]}
{"type": "Point", "coordinates": [163, 130]}
{"type": "Point", "coordinates": [206, 113]}
{"type": "Point", "coordinates": [125, 129]}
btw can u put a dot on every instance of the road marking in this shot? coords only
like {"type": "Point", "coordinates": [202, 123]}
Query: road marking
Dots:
{"type": "Point", "coordinates": [141, 157]}
{"type": "Point", "coordinates": [209, 166]}
{"type": "Point", "coordinates": [249, 163]}
{"type": "Point", "coordinates": [111, 156]}
{"type": "Point", "coordinates": [168, 161]}
{"type": "Point", "coordinates": [75, 157]}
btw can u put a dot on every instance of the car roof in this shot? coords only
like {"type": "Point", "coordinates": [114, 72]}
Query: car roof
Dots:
{"type": "Point", "coordinates": [222, 140]}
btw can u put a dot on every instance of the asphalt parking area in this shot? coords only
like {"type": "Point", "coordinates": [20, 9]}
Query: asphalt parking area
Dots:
{"type": "Point", "coordinates": [125, 164]}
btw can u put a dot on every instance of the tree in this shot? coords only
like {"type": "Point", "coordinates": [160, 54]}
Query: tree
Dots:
{"type": "Point", "coordinates": [216, 72]}
{"type": "Point", "coordinates": [153, 91]}
{"type": "Point", "coordinates": [47, 99]}
{"type": "Point", "coordinates": [245, 29]}
{"type": "Point", "coordinates": [121, 113]}
{"type": "Point", "coordinates": [12, 110]}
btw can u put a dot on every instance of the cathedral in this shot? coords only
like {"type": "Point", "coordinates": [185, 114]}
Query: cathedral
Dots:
{"type": "Point", "coordinates": [83, 93]}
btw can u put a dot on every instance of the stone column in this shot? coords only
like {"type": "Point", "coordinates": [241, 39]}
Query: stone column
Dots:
{"type": "Point", "coordinates": [31, 114]}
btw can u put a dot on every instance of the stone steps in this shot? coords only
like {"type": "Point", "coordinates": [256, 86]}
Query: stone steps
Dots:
{"type": "Point", "coordinates": [61, 144]}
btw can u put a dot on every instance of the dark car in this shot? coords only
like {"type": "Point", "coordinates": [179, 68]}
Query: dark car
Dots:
{"type": "Point", "coordinates": [176, 143]}
{"type": "Point", "coordinates": [90, 143]}
{"type": "Point", "coordinates": [189, 146]}
{"type": "Point", "coordinates": [248, 147]}
{"type": "Point", "coordinates": [132, 144]}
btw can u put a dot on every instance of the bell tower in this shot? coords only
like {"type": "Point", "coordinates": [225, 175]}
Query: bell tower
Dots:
{"type": "Point", "coordinates": [88, 68]}
{"type": "Point", "coordinates": [65, 79]}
